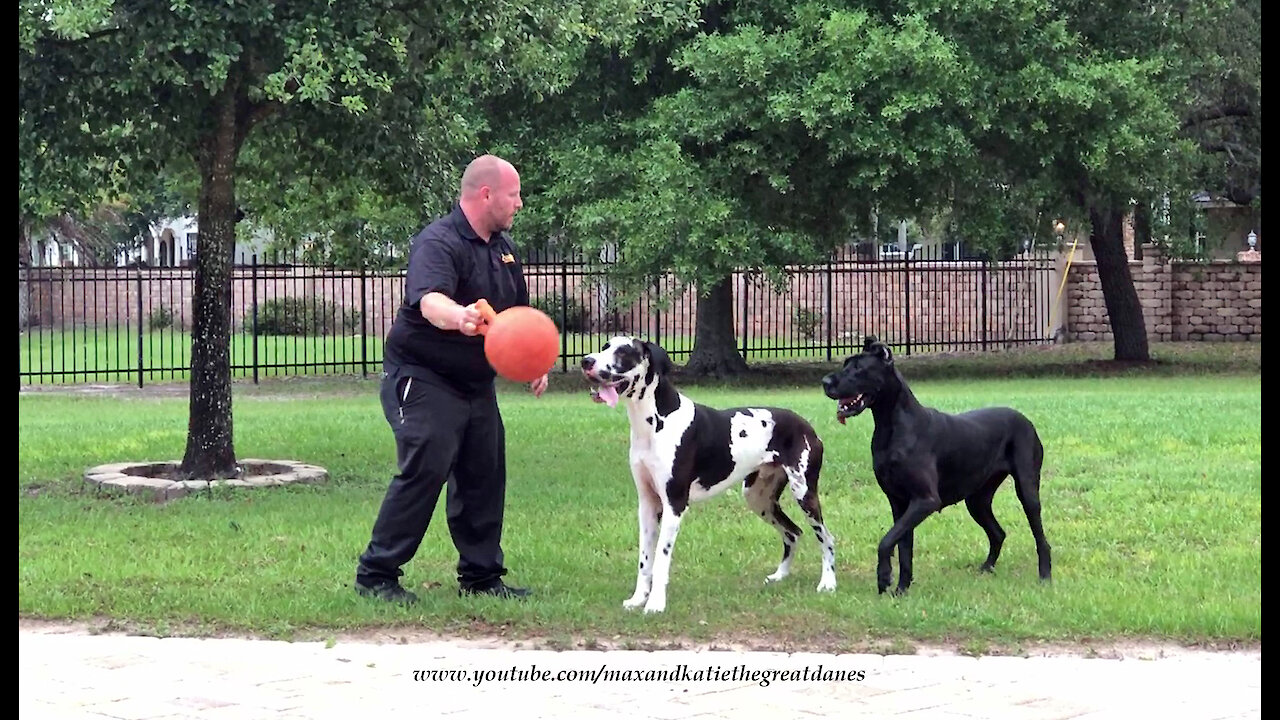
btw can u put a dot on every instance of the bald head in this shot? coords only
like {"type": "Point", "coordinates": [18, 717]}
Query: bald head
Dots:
{"type": "Point", "coordinates": [485, 171]}
{"type": "Point", "coordinates": [490, 194]}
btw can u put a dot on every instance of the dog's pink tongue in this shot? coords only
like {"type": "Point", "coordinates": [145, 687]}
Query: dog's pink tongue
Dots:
{"type": "Point", "coordinates": [609, 394]}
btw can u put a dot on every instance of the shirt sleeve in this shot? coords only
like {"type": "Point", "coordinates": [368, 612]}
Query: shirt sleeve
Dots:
{"type": "Point", "coordinates": [433, 267]}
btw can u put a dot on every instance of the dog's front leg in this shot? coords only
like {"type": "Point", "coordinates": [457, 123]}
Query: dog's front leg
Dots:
{"type": "Point", "coordinates": [903, 527]}
{"type": "Point", "coordinates": [672, 510]}
{"type": "Point", "coordinates": [648, 515]}
{"type": "Point", "coordinates": [668, 529]}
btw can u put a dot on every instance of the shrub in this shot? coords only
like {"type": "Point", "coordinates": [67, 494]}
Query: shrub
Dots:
{"type": "Point", "coordinates": [808, 321]}
{"type": "Point", "coordinates": [302, 316]}
{"type": "Point", "coordinates": [576, 317]}
{"type": "Point", "coordinates": [161, 318]}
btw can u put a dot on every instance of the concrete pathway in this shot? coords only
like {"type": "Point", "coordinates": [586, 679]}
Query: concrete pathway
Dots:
{"type": "Point", "coordinates": [68, 673]}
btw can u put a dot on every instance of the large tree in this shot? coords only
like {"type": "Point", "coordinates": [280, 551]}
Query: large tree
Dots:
{"type": "Point", "coordinates": [112, 92]}
{"type": "Point", "coordinates": [764, 136]}
{"type": "Point", "coordinates": [770, 132]}
{"type": "Point", "coordinates": [1129, 104]}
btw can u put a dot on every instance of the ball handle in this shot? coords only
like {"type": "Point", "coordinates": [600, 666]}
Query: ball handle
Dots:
{"type": "Point", "coordinates": [486, 314]}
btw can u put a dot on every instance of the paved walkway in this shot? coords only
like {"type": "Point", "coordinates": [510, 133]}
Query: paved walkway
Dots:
{"type": "Point", "coordinates": [64, 673]}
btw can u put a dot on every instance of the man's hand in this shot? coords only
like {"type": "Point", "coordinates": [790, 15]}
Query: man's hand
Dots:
{"type": "Point", "coordinates": [440, 310]}
{"type": "Point", "coordinates": [469, 320]}
{"type": "Point", "coordinates": [539, 386]}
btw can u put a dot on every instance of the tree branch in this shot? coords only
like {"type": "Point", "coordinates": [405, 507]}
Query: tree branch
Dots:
{"type": "Point", "coordinates": [1218, 112]}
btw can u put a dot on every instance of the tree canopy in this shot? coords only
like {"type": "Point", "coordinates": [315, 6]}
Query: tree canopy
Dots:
{"type": "Point", "coordinates": [367, 93]}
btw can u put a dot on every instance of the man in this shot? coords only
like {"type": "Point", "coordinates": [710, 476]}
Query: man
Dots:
{"type": "Point", "coordinates": [438, 391]}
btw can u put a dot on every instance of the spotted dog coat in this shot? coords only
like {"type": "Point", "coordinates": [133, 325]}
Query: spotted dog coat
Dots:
{"type": "Point", "coordinates": [683, 452]}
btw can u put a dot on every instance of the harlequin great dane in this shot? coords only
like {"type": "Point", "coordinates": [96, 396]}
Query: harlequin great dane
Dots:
{"type": "Point", "coordinates": [925, 459]}
{"type": "Point", "coordinates": [683, 452]}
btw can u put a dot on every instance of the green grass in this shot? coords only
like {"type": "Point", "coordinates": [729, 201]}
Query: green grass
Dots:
{"type": "Point", "coordinates": [102, 355]}
{"type": "Point", "coordinates": [1151, 494]}
{"type": "Point", "coordinates": [88, 354]}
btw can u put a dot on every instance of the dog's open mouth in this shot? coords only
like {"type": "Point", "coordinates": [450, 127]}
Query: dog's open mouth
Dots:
{"type": "Point", "coordinates": [850, 406]}
{"type": "Point", "coordinates": [605, 391]}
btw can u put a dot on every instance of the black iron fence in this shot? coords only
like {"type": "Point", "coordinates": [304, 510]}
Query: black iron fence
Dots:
{"type": "Point", "coordinates": [86, 325]}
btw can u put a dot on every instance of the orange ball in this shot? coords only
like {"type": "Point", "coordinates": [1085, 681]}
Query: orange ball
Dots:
{"type": "Point", "coordinates": [522, 343]}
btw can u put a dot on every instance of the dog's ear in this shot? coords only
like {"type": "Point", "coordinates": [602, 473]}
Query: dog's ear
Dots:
{"type": "Point", "coordinates": [658, 359]}
{"type": "Point", "coordinates": [882, 351]}
{"type": "Point", "coordinates": [868, 342]}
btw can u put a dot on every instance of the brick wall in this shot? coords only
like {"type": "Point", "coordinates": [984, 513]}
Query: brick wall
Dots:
{"type": "Point", "coordinates": [951, 304]}
{"type": "Point", "coordinates": [1219, 300]}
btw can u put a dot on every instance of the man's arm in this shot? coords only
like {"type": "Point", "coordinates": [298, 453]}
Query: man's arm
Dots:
{"type": "Point", "coordinates": [440, 310]}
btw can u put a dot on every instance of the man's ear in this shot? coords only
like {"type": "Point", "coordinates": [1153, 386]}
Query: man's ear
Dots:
{"type": "Point", "coordinates": [658, 359]}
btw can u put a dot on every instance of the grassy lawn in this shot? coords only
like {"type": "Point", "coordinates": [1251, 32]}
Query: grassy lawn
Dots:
{"type": "Point", "coordinates": [103, 355]}
{"type": "Point", "coordinates": [97, 355]}
{"type": "Point", "coordinates": [1151, 495]}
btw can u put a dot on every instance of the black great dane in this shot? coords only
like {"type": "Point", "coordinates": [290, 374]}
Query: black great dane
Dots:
{"type": "Point", "coordinates": [925, 459]}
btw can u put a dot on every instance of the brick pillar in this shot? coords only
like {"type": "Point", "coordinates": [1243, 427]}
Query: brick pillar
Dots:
{"type": "Point", "coordinates": [1128, 235]}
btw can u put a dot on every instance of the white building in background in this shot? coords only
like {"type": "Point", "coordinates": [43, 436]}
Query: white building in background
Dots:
{"type": "Point", "coordinates": [47, 252]}
{"type": "Point", "coordinates": [173, 243]}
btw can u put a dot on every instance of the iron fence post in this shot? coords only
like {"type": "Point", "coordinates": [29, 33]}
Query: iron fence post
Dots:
{"type": "Point", "coordinates": [830, 307]}
{"type": "Point", "coordinates": [253, 314]}
{"type": "Point", "coordinates": [986, 268]}
{"type": "Point", "coordinates": [657, 313]}
{"type": "Point", "coordinates": [364, 324]}
{"type": "Point", "coordinates": [906, 304]}
{"type": "Point", "coordinates": [564, 316]}
{"type": "Point", "coordinates": [140, 339]}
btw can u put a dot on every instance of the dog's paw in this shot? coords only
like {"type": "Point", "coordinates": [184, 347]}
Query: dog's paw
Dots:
{"type": "Point", "coordinates": [775, 577]}
{"type": "Point", "coordinates": [827, 584]}
{"type": "Point", "coordinates": [657, 603]}
{"type": "Point", "coordinates": [634, 602]}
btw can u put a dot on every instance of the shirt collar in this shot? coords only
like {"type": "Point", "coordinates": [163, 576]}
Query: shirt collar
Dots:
{"type": "Point", "coordinates": [463, 225]}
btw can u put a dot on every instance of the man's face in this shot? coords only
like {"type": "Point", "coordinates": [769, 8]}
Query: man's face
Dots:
{"type": "Point", "coordinates": [504, 199]}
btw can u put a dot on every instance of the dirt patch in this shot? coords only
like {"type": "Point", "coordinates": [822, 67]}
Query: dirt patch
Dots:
{"type": "Point", "coordinates": [483, 636]}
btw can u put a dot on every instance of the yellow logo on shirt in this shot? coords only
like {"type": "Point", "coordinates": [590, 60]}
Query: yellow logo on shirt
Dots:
{"type": "Point", "coordinates": [508, 258]}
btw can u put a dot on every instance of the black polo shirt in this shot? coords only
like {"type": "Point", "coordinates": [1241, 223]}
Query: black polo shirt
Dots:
{"type": "Point", "coordinates": [448, 257]}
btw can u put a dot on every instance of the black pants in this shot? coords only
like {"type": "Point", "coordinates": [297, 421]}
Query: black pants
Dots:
{"type": "Point", "coordinates": [440, 435]}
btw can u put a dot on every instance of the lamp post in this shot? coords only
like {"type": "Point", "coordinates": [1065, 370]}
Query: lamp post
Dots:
{"type": "Point", "coordinates": [1253, 239]}
{"type": "Point", "coordinates": [1059, 228]}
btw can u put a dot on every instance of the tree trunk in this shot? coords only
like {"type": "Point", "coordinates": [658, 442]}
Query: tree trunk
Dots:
{"type": "Point", "coordinates": [24, 272]}
{"type": "Point", "coordinates": [1141, 228]}
{"type": "Point", "coordinates": [715, 346]}
{"type": "Point", "coordinates": [1124, 310]}
{"type": "Point", "coordinates": [210, 451]}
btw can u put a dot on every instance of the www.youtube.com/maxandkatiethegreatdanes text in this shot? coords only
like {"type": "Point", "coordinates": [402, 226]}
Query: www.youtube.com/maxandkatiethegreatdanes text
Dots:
{"type": "Point", "coordinates": [681, 673]}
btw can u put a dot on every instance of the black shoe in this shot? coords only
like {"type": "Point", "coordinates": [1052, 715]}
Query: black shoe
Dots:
{"type": "Point", "coordinates": [497, 589]}
{"type": "Point", "coordinates": [390, 591]}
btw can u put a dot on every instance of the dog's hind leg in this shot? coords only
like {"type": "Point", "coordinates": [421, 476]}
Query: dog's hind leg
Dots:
{"type": "Point", "coordinates": [761, 491]}
{"type": "Point", "coordinates": [1028, 457]}
{"type": "Point", "coordinates": [650, 511]}
{"type": "Point", "coordinates": [979, 505]}
{"type": "Point", "coordinates": [803, 479]}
